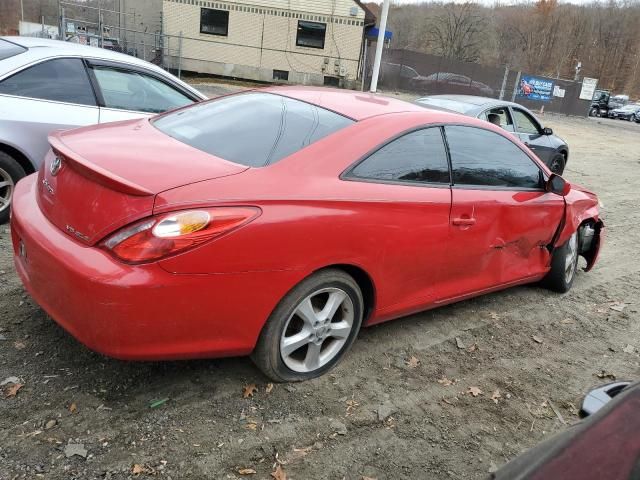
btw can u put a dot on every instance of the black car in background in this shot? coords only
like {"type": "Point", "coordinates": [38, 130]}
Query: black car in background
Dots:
{"type": "Point", "coordinates": [629, 112]}
{"type": "Point", "coordinates": [514, 118]}
{"type": "Point", "coordinates": [603, 102]}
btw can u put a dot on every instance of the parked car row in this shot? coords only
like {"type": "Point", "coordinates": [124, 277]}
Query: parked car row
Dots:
{"type": "Point", "coordinates": [630, 112]}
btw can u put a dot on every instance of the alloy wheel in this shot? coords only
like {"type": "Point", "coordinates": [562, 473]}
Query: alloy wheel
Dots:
{"type": "Point", "coordinates": [6, 189]}
{"type": "Point", "coordinates": [317, 330]}
{"type": "Point", "coordinates": [571, 258]}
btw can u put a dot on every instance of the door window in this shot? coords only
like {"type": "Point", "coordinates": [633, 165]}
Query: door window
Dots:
{"type": "Point", "coordinates": [130, 90]}
{"type": "Point", "coordinates": [526, 123]}
{"type": "Point", "coordinates": [60, 80]}
{"type": "Point", "coordinates": [483, 158]}
{"type": "Point", "coordinates": [501, 117]}
{"type": "Point", "coordinates": [418, 156]}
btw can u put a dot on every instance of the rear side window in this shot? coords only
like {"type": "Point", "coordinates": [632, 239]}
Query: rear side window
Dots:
{"type": "Point", "coordinates": [252, 129]}
{"type": "Point", "coordinates": [10, 49]}
{"type": "Point", "coordinates": [60, 80]}
{"type": "Point", "coordinates": [483, 158]}
{"type": "Point", "coordinates": [415, 157]}
{"type": "Point", "coordinates": [129, 90]}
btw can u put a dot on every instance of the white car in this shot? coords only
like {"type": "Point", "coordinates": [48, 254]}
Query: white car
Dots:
{"type": "Point", "coordinates": [47, 85]}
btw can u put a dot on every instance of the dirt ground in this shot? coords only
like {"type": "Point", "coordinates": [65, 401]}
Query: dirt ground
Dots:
{"type": "Point", "coordinates": [396, 408]}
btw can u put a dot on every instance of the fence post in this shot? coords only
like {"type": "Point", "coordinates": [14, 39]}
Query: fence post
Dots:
{"type": "Point", "coordinates": [180, 55]}
{"type": "Point", "coordinates": [504, 82]}
{"type": "Point", "coordinates": [515, 86]}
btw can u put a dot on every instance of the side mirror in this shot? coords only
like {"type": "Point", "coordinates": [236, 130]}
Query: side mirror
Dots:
{"type": "Point", "coordinates": [558, 185]}
{"type": "Point", "coordinates": [547, 131]}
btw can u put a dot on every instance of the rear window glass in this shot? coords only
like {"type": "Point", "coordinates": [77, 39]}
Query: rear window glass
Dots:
{"type": "Point", "coordinates": [253, 129]}
{"type": "Point", "coordinates": [9, 49]}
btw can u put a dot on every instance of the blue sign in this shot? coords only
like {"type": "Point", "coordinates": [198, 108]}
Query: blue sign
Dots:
{"type": "Point", "coordinates": [372, 32]}
{"type": "Point", "coordinates": [535, 88]}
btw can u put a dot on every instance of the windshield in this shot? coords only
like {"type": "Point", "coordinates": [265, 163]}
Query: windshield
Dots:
{"type": "Point", "coordinates": [252, 129]}
{"type": "Point", "coordinates": [10, 49]}
{"type": "Point", "coordinates": [454, 105]}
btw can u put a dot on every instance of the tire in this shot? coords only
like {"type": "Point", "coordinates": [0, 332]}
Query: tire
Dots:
{"type": "Point", "coordinates": [557, 163]}
{"type": "Point", "coordinates": [10, 173]}
{"type": "Point", "coordinates": [564, 265]}
{"type": "Point", "coordinates": [633, 118]}
{"type": "Point", "coordinates": [295, 362]}
{"type": "Point", "coordinates": [594, 112]}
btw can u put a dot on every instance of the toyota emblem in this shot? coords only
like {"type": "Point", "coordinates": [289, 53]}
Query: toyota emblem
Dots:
{"type": "Point", "coordinates": [55, 166]}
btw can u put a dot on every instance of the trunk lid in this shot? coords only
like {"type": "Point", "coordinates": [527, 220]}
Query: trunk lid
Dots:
{"type": "Point", "coordinates": [109, 175]}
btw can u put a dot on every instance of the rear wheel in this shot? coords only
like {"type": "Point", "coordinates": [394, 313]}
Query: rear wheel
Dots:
{"type": "Point", "coordinates": [594, 112]}
{"type": "Point", "coordinates": [564, 265]}
{"type": "Point", "coordinates": [557, 163]}
{"type": "Point", "coordinates": [633, 118]}
{"type": "Point", "coordinates": [10, 173]}
{"type": "Point", "coordinates": [311, 329]}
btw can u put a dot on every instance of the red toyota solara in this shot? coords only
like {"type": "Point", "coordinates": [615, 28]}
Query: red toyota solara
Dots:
{"type": "Point", "coordinates": [277, 222]}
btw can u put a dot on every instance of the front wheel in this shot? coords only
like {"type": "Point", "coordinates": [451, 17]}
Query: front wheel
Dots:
{"type": "Point", "coordinates": [564, 265]}
{"type": "Point", "coordinates": [594, 112]}
{"type": "Point", "coordinates": [10, 173]}
{"type": "Point", "coordinates": [311, 329]}
{"type": "Point", "coordinates": [557, 163]}
{"type": "Point", "coordinates": [633, 118]}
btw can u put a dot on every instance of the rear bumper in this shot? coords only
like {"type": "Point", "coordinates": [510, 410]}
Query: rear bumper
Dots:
{"type": "Point", "coordinates": [137, 312]}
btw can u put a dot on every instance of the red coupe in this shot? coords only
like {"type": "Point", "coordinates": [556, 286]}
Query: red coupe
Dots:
{"type": "Point", "coordinates": [277, 222]}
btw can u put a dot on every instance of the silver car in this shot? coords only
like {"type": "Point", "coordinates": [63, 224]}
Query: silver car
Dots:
{"type": "Point", "coordinates": [48, 84]}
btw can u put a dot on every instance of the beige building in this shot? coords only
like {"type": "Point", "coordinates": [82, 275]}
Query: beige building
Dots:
{"type": "Point", "coordinates": [311, 42]}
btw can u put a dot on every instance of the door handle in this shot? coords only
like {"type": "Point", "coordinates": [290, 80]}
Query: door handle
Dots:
{"type": "Point", "coordinates": [464, 222]}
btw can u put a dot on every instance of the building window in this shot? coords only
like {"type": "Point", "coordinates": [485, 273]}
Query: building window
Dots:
{"type": "Point", "coordinates": [331, 81]}
{"type": "Point", "coordinates": [214, 22]}
{"type": "Point", "coordinates": [280, 75]}
{"type": "Point", "coordinates": [311, 34]}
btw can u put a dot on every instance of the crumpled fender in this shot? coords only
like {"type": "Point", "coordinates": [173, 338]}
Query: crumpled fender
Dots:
{"type": "Point", "coordinates": [581, 205]}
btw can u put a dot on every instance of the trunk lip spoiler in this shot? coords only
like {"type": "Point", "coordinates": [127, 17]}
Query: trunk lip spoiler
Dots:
{"type": "Point", "coordinates": [93, 171]}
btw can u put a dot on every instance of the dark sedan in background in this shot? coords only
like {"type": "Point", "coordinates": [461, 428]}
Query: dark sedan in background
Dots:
{"type": "Point", "coordinates": [514, 118]}
{"type": "Point", "coordinates": [628, 112]}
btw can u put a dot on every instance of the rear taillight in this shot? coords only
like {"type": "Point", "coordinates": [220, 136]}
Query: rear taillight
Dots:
{"type": "Point", "coordinates": [171, 233]}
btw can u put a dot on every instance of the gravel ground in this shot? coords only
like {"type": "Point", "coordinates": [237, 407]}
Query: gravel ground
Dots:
{"type": "Point", "coordinates": [398, 406]}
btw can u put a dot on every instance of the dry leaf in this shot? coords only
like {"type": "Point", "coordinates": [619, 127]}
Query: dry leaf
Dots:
{"type": "Point", "coordinates": [605, 374]}
{"type": "Point", "coordinates": [19, 345]}
{"type": "Point", "coordinates": [73, 408]}
{"type": "Point", "coordinates": [369, 478]}
{"type": "Point", "coordinates": [412, 362]}
{"type": "Point", "coordinates": [567, 321]}
{"type": "Point", "coordinates": [278, 473]}
{"type": "Point", "coordinates": [446, 382]}
{"type": "Point", "coordinates": [249, 390]}
{"type": "Point", "coordinates": [496, 395]}
{"type": "Point", "coordinates": [138, 469]}
{"type": "Point", "coordinates": [536, 338]}
{"type": "Point", "coordinates": [247, 471]}
{"type": "Point", "coordinates": [475, 391]}
{"type": "Point", "coordinates": [12, 390]}
{"type": "Point", "coordinates": [252, 426]}
{"type": "Point", "coordinates": [472, 348]}
{"type": "Point", "coordinates": [618, 307]}
{"type": "Point", "coordinates": [494, 316]}
{"type": "Point", "coordinates": [269, 387]}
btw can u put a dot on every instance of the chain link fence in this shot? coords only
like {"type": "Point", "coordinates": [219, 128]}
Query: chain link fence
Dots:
{"type": "Point", "coordinates": [423, 74]}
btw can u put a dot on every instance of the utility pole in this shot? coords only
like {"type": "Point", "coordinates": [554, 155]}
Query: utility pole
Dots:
{"type": "Point", "coordinates": [379, 46]}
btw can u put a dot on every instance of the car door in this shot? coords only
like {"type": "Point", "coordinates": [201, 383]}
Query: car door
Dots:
{"type": "Point", "coordinates": [125, 92]}
{"type": "Point", "coordinates": [530, 133]}
{"type": "Point", "coordinates": [408, 183]}
{"type": "Point", "coordinates": [42, 97]}
{"type": "Point", "coordinates": [501, 216]}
